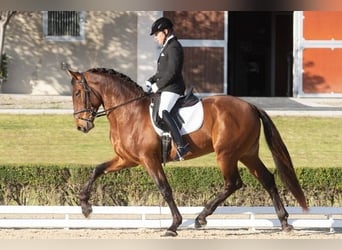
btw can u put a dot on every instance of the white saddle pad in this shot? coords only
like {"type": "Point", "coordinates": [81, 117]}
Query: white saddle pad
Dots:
{"type": "Point", "coordinates": [192, 117]}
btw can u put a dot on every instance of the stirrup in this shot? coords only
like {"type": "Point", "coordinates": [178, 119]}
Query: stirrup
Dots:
{"type": "Point", "coordinates": [181, 151]}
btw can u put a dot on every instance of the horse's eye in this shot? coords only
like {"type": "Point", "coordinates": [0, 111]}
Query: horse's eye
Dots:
{"type": "Point", "coordinates": [78, 93]}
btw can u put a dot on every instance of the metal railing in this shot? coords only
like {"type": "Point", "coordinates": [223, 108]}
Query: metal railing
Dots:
{"type": "Point", "coordinates": [159, 217]}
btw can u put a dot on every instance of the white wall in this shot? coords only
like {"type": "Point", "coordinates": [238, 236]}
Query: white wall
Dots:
{"type": "Point", "coordinates": [147, 48]}
{"type": "Point", "coordinates": [35, 64]}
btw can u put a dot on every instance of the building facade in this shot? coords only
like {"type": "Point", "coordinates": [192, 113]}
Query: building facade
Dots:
{"type": "Point", "coordinates": [285, 53]}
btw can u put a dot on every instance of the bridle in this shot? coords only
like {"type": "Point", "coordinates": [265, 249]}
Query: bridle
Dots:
{"type": "Point", "coordinates": [89, 108]}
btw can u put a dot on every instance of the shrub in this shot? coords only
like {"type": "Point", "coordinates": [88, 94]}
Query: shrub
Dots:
{"type": "Point", "coordinates": [192, 186]}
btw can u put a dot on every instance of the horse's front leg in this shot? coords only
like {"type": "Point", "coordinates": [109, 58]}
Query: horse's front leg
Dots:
{"type": "Point", "coordinates": [115, 164]}
{"type": "Point", "coordinates": [159, 177]}
{"type": "Point", "coordinates": [86, 191]}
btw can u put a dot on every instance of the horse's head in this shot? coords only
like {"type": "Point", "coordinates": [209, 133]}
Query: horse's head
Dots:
{"type": "Point", "coordinates": [85, 100]}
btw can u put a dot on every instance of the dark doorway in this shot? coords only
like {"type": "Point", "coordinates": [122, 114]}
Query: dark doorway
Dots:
{"type": "Point", "coordinates": [260, 53]}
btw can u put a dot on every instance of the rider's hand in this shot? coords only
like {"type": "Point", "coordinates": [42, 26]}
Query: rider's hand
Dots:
{"type": "Point", "coordinates": [148, 85]}
{"type": "Point", "coordinates": [154, 88]}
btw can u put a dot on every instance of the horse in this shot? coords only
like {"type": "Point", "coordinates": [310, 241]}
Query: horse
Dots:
{"type": "Point", "coordinates": [231, 128]}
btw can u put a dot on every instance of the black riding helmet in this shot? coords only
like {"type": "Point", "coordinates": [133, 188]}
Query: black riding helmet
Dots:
{"type": "Point", "coordinates": [161, 24]}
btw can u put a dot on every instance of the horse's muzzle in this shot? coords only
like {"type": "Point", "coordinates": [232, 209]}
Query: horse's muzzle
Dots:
{"type": "Point", "coordinates": [85, 126]}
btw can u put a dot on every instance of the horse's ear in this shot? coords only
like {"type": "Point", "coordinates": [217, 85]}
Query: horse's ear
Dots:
{"type": "Point", "coordinates": [72, 74]}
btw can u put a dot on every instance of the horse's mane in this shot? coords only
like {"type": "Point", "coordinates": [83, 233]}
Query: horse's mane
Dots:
{"type": "Point", "coordinates": [113, 73]}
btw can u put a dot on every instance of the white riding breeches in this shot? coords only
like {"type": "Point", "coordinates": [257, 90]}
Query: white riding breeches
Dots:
{"type": "Point", "coordinates": [167, 101]}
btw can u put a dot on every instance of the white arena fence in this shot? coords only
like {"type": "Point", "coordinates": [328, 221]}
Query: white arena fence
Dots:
{"type": "Point", "coordinates": [105, 217]}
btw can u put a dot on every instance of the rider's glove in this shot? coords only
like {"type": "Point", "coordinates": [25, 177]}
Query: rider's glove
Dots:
{"type": "Point", "coordinates": [154, 88]}
{"type": "Point", "coordinates": [148, 86]}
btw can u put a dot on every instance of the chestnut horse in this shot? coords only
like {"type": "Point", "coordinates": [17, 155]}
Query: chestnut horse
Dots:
{"type": "Point", "coordinates": [231, 128]}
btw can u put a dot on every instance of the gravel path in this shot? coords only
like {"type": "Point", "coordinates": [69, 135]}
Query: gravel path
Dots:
{"type": "Point", "coordinates": [8, 101]}
{"type": "Point", "coordinates": [157, 234]}
{"type": "Point", "coordinates": [33, 104]}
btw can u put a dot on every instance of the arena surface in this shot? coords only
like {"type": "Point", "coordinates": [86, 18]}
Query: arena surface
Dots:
{"type": "Point", "coordinates": [158, 234]}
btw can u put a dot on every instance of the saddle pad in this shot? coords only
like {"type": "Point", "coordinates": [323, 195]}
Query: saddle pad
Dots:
{"type": "Point", "coordinates": [192, 117]}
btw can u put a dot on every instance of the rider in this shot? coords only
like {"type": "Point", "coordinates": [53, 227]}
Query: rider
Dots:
{"type": "Point", "coordinates": [168, 81]}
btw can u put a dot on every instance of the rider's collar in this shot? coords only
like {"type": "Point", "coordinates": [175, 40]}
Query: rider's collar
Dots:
{"type": "Point", "coordinates": [168, 39]}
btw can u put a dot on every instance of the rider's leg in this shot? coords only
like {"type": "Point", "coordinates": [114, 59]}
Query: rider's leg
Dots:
{"type": "Point", "coordinates": [167, 101]}
{"type": "Point", "coordinates": [176, 136]}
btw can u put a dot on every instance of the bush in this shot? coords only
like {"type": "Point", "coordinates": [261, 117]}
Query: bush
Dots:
{"type": "Point", "coordinates": [192, 186]}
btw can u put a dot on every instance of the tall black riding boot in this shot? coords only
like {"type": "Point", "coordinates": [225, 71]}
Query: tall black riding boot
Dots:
{"type": "Point", "coordinates": [176, 136]}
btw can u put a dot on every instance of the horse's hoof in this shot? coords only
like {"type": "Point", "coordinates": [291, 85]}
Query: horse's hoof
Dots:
{"type": "Point", "coordinates": [87, 210]}
{"type": "Point", "coordinates": [199, 223]}
{"type": "Point", "coordinates": [170, 233]}
{"type": "Point", "coordinates": [287, 228]}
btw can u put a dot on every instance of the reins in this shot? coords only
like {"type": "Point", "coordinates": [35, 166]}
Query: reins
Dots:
{"type": "Point", "coordinates": [87, 89]}
{"type": "Point", "coordinates": [104, 112]}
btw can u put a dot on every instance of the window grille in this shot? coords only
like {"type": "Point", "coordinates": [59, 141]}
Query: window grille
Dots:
{"type": "Point", "coordinates": [63, 25]}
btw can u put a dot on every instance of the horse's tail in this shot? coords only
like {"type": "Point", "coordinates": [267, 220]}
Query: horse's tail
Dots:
{"type": "Point", "coordinates": [281, 158]}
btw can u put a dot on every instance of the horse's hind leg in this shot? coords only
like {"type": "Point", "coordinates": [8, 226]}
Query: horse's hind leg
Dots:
{"type": "Point", "coordinates": [232, 182]}
{"type": "Point", "coordinates": [266, 178]}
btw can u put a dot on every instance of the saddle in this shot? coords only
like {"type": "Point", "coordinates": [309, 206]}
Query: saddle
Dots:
{"type": "Point", "coordinates": [187, 100]}
{"type": "Point", "coordinates": [187, 113]}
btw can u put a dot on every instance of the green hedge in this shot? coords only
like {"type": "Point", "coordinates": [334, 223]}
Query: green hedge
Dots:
{"type": "Point", "coordinates": [192, 186]}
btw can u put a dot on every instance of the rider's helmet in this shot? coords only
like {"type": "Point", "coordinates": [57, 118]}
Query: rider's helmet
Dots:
{"type": "Point", "coordinates": [161, 24]}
